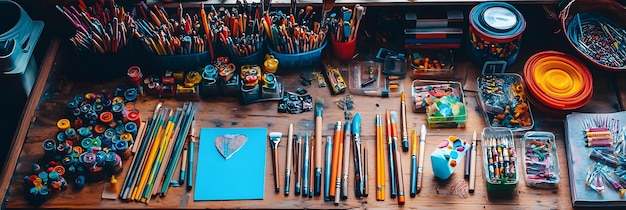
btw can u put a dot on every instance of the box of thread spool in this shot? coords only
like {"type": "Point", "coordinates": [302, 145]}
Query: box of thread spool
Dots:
{"type": "Point", "coordinates": [595, 29]}
{"type": "Point", "coordinates": [431, 64]}
{"type": "Point", "coordinates": [442, 101]}
{"type": "Point", "coordinates": [540, 162]}
{"type": "Point", "coordinates": [501, 161]}
{"type": "Point", "coordinates": [502, 97]}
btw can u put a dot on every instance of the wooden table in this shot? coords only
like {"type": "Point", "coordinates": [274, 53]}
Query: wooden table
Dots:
{"type": "Point", "coordinates": [54, 88]}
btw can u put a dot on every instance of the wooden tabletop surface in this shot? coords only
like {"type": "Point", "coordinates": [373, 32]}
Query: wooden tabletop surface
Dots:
{"type": "Point", "coordinates": [54, 88]}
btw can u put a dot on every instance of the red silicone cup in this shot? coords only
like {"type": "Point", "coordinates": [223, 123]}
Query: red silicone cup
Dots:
{"type": "Point", "coordinates": [344, 50]}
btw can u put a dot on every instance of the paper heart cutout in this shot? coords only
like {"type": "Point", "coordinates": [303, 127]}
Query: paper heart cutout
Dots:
{"type": "Point", "coordinates": [229, 144]}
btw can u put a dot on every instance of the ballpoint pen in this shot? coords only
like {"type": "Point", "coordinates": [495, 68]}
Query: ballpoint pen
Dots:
{"type": "Point", "coordinates": [347, 137]}
{"type": "Point", "coordinates": [403, 120]}
{"type": "Point", "coordinates": [472, 178]}
{"type": "Point", "coordinates": [397, 159]}
{"type": "Point", "coordinates": [420, 167]}
{"type": "Point", "coordinates": [390, 155]}
{"type": "Point", "coordinates": [380, 160]}
{"type": "Point", "coordinates": [191, 156]}
{"type": "Point", "coordinates": [289, 158]}
{"type": "Point", "coordinates": [358, 161]}
{"type": "Point", "coordinates": [274, 141]}
{"type": "Point", "coordinates": [364, 191]}
{"type": "Point", "coordinates": [413, 187]}
{"type": "Point", "coordinates": [466, 169]}
{"type": "Point", "coordinates": [183, 167]}
{"type": "Point", "coordinates": [305, 165]}
{"type": "Point", "coordinates": [337, 146]}
{"type": "Point", "coordinates": [327, 167]}
{"type": "Point", "coordinates": [298, 163]}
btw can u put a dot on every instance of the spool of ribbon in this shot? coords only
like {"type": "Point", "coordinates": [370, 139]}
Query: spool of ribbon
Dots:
{"type": "Point", "coordinates": [558, 80]}
{"type": "Point", "coordinates": [495, 32]}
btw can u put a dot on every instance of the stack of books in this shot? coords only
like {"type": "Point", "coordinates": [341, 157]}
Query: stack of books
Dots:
{"type": "Point", "coordinates": [433, 29]}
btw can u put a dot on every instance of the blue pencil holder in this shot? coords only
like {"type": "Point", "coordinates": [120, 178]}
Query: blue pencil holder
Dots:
{"type": "Point", "coordinates": [255, 58]}
{"type": "Point", "coordinates": [158, 64]}
{"type": "Point", "coordinates": [288, 61]}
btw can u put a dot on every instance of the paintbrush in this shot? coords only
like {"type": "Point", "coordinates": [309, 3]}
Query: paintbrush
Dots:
{"type": "Point", "coordinates": [294, 7]}
{"type": "Point", "coordinates": [274, 140]}
{"type": "Point", "coordinates": [360, 11]}
{"type": "Point", "coordinates": [319, 107]}
{"type": "Point", "coordinates": [327, 5]}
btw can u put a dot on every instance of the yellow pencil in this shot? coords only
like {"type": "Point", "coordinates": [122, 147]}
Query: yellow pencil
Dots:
{"type": "Point", "coordinates": [149, 163]}
{"type": "Point", "coordinates": [159, 158]}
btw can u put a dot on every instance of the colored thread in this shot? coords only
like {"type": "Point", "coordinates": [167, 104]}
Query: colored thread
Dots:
{"type": "Point", "coordinates": [133, 116]}
{"type": "Point", "coordinates": [60, 170]}
{"type": "Point", "coordinates": [134, 75]}
{"type": "Point", "coordinates": [84, 132]}
{"type": "Point", "coordinates": [106, 117]}
{"type": "Point", "coordinates": [121, 148]}
{"type": "Point", "coordinates": [131, 127]}
{"type": "Point", "coordinates": [99, 128]}
{"type": "Point", "coordinates": [61, 136]}
{"type": "Point", "coordinates": [49, 146]}
{"type": "Point", "coordinates": [63, 124]}
{"type": "Point", "coordinates": [130, 94]}
{"type": "Point", "coordinates": [79, 182]}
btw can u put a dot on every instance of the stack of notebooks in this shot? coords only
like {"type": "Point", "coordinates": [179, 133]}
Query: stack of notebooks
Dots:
{"type": "Point", "coordinates": [433, 29]}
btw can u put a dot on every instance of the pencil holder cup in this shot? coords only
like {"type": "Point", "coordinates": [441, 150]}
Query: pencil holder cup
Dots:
{"type": "Point", "coordinates": [343, 50]}
{"type": "Point", "coordinates": [289, 61]}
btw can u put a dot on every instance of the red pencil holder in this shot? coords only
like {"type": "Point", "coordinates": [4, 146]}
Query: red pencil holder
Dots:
{"type": "Point", "coordinates": [344, 50]}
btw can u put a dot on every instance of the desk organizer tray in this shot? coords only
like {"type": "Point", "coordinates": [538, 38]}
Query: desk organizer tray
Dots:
{"type": "Point", "coordinates": [540, 162]}
{"type": "Point", "coordinates": [502, 97]}
{"type": "Point", "coordinates": [500, 160]}
{"type": "Point", "coordinates": [441, 100]}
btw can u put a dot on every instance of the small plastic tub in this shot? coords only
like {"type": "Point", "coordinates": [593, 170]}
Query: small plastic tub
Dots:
{"type": "Point", "coordinates": [503, 98]}
{"type": "Point", "coordinates": [442, 101]}
{"type": "Point", "coordinates": [500, 159]}
{"type": "Point", "coordinates": [541, 162]}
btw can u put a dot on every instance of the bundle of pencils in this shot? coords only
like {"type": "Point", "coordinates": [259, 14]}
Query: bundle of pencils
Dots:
{"type": "Point", "coordinates": [238, 29]}
{"type": "Point", "coordinates": [345, 26]}
{"type": "Point", "coordinates": [157, 158]}
{"type": "Point", "coordinates": [291, 34]}
{"type": "Point", "coordinates": [100, 28]}
{"type": "Point", "coordinates": [164, 35]}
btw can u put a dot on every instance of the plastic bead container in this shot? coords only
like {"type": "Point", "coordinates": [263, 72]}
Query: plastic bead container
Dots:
{"type": "Point", "coordinates": [503, 99]}
{"type": "Point", "coordinates": [541, 162]}
{"type": "Point", "coordinates": [500, 159]}
{"type": "Point", "coordinates": [442, 101]}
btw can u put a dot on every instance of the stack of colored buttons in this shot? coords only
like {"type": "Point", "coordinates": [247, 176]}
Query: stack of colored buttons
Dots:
{"type": "Point", "coordinates": [557, 82]}
{"type": "Point", "coordinates": [495, 32]}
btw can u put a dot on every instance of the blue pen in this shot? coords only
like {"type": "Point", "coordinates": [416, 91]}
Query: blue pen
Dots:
{"type": "Point", "coordinates": [327, 164]}
{"type": "Point", "coordinates": [305, 166]}
{"type": "Point", "coordinates": [347, 28]}
{"type": "Point", "coordinates": [358, 162]}
{"type": "Point", "coordinates": [192, 143]}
